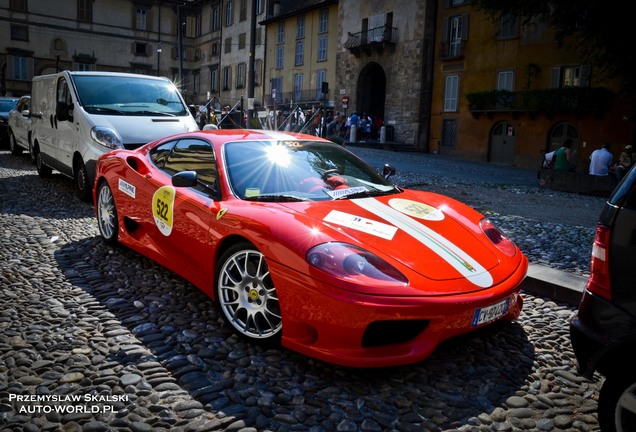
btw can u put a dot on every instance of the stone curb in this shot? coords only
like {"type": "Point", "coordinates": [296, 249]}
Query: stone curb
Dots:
{"type": "Point", "coordinates": [556, 284]}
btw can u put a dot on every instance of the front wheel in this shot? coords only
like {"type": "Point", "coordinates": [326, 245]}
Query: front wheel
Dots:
{"type": "Point", "coordinates": [82, 182]}
{"type": "Point", "coordinates": [107, 213]}
{"type": "Point", "coordinates": [246, 294]}
{"type": "Point", "coordinates": [16, 150]}
{"type": "Point", "coordinates": [617, 403]}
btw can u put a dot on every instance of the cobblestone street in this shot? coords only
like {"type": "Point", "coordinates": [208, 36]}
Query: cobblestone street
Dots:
{"type": "Point", "coordinates": [99, 338]}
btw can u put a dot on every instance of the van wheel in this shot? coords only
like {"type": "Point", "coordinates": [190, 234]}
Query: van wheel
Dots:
{"type": "Point", "coordinates": [83, 185]}
{"type": "Point", "coordinates": [43, 170]}
{"type": "Point", "coordinates": [13, 145]}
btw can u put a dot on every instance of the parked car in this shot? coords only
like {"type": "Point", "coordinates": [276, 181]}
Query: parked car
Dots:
{"type": "Point", "coordinates": [78, 116]}
{"type": "Point", "coordinates": [603, 331]}
{"type": "Point", "coordinates": [300, 241]}
{"type": "Point", "coordinates": [6, 105]}
{"type": "Point", "coordinates": [20, 126]}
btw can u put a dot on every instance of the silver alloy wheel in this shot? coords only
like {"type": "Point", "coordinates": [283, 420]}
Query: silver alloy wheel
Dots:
{"type": "Point", "coordinates": [106, 213]}
{"type": "Point", "coordinates": [625, 414]}
{"type": "Point", "coordinates": [247, 296]}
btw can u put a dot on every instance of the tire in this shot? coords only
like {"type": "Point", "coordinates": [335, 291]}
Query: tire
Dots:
{"type": "Point", "coordinates": [617, 403]}
{"type": "Point", "coordinates": [246, 295]}
{"type": "Point", "coordinates": [16, 150]}
{"type": "Point", "coordinates": [43, 170]}
{"type": "Point", "coordinates": [107, 213]}
{"type": "Point", "coordinates": [82, 182]}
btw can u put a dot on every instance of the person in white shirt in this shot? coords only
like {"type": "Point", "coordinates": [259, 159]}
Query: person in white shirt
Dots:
{"type": "Point", "coordinates": [601, 161]}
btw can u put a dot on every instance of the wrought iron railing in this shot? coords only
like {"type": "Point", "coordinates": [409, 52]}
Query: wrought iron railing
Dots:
{"type": "Point", "coordinates": [378, 35]}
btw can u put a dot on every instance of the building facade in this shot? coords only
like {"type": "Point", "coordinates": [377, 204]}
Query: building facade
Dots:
{"type": "Point", "coordinates": [505, 92]}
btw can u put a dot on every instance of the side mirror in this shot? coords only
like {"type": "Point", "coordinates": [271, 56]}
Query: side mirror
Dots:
{"type": "Point", "coordinates": [388, 171]}
{"type": "Point", "coordinates": [26, 113]}
{"type": "Point", "coordinates": [185, 179]}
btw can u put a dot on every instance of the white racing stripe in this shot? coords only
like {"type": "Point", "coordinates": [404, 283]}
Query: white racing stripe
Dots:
{"type": "Point", "coordinates": [449, 252]}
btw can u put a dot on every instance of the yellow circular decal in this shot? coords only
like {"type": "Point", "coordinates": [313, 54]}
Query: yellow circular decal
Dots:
{"type": "Point", "coordinates": [163, 208]}
{"type": "Point", "coordinates": [416, 209]}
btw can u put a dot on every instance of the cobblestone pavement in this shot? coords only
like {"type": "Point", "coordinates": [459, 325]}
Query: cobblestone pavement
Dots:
{"type": "Point", "coordinates": [99, 338]}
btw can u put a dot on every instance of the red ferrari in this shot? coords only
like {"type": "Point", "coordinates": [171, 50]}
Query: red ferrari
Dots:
{"type": "Point", "coordinates": [302, 243]}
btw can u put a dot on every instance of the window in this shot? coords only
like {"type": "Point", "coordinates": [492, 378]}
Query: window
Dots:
{"type": "Point", "coordinates": [279, 57]}
{"type": "Point", "coordinates": [449, 133]}
{"type": "Point", "coordinates": [141, 19]}
{"type": "Point", "coordinates": [242, 38]}
{"type": "Point", "coordinates": [227, 77]}
{"type": "Point", "coordinates": [229, 14]}
{"type": "Point", "coordinates": [214, 81]}
{"type": "Point", "coordinates": [298, 87]}
{"type": "Point", "coordinates": [259, 37]}
{"type": "Point", "coordinates": [277, 88]}
{"type": "Point", "coordinates": [243, 11]}
{"type": "Point", "coordinates": [215, 18]}
{"type": "Point", "coordinates": [85, 10]}
{"type": "Point", "coordinates": [506, 80]}
{"type": "Point", "coordinates": [228, 45]}
{"type": "Point", "coordinates": [323, 21]}
{"type": "Point", "coordinates": [280, 33]}
{"type": "Point", "coordinates": [240, 75]}
{"type": "Point", "coordinates": [509, 27]}
{"type": "Point", "coordinates": [192, 26]}
{"type": "Point", "coordinates": [18, 5]}
{"type": "Point", "coordinates": [259, 7]}
{"type": "Point", "coordinates": [300, 53]}
{"type": "Point", "coordinates": [456, 32]}
{"type": "Point", "coordinates": [20, 68]}
{"type": "Point", "coordinates": [322, 48]}
{"type": "Point", "coordinates": [188, 155]}
{"type": "Point", "coordinates": [450, 93]}
{"type": "Point", "coordinates": [140, 49]}
{"type": "Point", "coordinates": [321, 77]}
{"type": "Point", "coordinates": [300, 27]}
{"type": "Point", "coordinates": [570, 76]}
{"type": "Point", "coordinates": [84, 67]}
{"type": "Point", "coordinates": [196, 83]}
{"type": "Point", "coordinates": [19, 33]}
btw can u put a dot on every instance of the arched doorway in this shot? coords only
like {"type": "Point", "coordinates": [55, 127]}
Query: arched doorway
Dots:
{"type": "Point", "coordinates": [559, 133]}
{"type": "Point", "coordinates": [502, 144]}
{"type": "Point", "coordinates": [371, 91]}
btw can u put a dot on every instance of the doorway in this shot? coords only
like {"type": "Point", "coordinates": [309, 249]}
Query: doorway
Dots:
{"type": "Point", "coordinates": [502, 144]}
{"type": "Point", "coordinates": [371, 91]}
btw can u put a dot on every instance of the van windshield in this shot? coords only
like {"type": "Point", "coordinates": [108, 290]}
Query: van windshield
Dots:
{"type": "Point", "coordinates": [113, 95]}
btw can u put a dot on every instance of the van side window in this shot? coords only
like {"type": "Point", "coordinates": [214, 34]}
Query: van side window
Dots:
{"type": "Point", "coordinates": [63, 93]}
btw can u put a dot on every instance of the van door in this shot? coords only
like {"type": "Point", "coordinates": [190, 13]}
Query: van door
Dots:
{"type": "Point", "coordinates": [65, 131]}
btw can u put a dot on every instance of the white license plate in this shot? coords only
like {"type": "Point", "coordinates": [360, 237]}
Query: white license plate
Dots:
{"type": "Point", "coordinates": [490, 313]}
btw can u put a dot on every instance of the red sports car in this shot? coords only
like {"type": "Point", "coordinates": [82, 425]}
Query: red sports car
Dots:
{"type": "Point", "coordinates": [302, 243]}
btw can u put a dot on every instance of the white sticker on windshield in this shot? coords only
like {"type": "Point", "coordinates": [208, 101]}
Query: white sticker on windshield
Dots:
{"type": "Point", "coordinates": [368, 226]}
{"type": "Point", "coordinates": [344, 192]}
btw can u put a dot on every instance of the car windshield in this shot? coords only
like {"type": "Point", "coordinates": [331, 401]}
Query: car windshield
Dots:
{"type": "Point", "coordinates": [113, 95]}
{"type": "Point", "coordinates": [299, 171]}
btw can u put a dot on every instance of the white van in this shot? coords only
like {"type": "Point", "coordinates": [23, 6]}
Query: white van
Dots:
{"type": "Point", "coordinates": [78, 116]}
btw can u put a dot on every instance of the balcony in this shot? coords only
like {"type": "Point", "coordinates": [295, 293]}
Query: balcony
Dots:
{"type": "Point", "coordinates": [376, 39]}
{"type": "Point", "coordinates": [451, 50]}
{"type": "Point", "coordinates": [571, 100]}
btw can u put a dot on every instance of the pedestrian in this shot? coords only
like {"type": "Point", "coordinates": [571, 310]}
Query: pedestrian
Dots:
{"type": "Point", "coordinates": [564, 157]}
{"type": "Point", "coordinates": [601, 161]}
{"type": "Point", "coordinates": [625, 161]}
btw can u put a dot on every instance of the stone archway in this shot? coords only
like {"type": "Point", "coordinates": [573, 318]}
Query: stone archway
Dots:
{"type": "Point", "coordinates": [371, 91]}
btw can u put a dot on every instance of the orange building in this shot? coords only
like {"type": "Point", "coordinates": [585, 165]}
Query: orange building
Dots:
{"type": "Point", "coordinates": [504, 92]}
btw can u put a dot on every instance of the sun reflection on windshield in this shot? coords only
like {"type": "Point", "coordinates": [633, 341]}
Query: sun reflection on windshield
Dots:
{"type": "Point", "coordinates": [278, 154]}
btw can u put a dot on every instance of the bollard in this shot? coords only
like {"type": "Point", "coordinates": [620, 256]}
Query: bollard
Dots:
{"type": "Point", "coordinates": [383, 134]}
{"type": "Point", "coordinates": [352, 133]}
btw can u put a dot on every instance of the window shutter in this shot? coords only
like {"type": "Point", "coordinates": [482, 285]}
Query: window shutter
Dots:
{"type": "Point", "coordinates": [585, 75]}
{"type": "Point", "coordinates": [464, 27]}
{"type": "Point", "coordinates": [445, 21]}
{"type": "Point", "coordinates": [556, 77]}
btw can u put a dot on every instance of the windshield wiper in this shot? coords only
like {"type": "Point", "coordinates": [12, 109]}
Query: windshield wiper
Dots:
{"type": "Point", "coordinates": [276, 198]}
{"type": "Point", "coordinates": [103, 109]}
{"type": "Point", "coordinates": [161, 113]}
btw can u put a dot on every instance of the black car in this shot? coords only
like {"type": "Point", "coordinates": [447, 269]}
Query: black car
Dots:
{"type": "Point", "coordinates": [6, 105]}
{"type": "Point", "coordinates": [603, 332]}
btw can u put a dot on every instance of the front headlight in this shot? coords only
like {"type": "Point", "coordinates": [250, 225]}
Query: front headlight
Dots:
{"type": "Point", "coordinates": [354, 264]}
{"type": "Point", "coordinates": [107, 137]}
{"type": "Point", "coordinates": [498, 238]}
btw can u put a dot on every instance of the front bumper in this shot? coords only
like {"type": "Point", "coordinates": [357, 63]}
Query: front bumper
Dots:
{"type": "Point", "coordinates": [356, 330]}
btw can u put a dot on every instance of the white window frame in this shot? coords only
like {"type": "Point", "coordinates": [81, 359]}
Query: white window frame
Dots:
{"type": "Point", "coordinates": [451, 93]}
{"type": "Point", "coordinates": [506, 80]}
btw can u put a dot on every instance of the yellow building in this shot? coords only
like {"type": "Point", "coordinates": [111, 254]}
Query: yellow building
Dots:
{"type": "Point", "coordinates": [504, 92]}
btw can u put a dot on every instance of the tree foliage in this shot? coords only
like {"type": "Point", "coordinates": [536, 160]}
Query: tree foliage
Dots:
{"type": "Point", "coordinates": [600, 31]}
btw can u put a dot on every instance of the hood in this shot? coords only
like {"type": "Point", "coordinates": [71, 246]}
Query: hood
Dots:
{"type": "Point", "coordinates": [432, 235]}
{"type": "Point", "coordinates": [143, 129]}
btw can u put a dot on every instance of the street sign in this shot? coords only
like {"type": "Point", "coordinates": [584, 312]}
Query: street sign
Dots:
{"type": "Point", "coordinates": [345, 100]}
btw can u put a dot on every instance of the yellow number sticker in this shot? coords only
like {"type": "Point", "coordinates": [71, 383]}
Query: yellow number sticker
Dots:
{"type": "Point", "coordinates": [163, 208]}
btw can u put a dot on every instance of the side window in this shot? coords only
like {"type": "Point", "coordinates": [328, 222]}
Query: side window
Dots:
{"type": "Point", "coordinates": [63, 93]}
{"type": "Point", "coordinates": [159, 154]}
{"type": "Point", "coordinates": [193, 155]}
